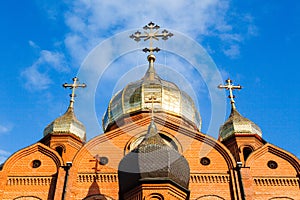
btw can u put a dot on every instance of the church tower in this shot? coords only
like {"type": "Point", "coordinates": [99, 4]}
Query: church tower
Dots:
{"type": "Point", "coordinates": [153, 164]}
{"type": "Point", "coordinates": [239, 134]}
{"type": "Point", "coordinates": [66, 134]}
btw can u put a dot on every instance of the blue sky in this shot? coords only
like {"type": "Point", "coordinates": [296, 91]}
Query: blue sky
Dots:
{"type": "Point", "coordinates": [44, 43]}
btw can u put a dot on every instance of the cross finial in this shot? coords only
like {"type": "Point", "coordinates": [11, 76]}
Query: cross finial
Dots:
{"type": "Point", "coordinates": [229, 86]}
{"type": "Point", "coordinates": [152, 99]}
{"type": "Point", "coordinates": [151, 32]}
{"type": "Point", "coordinates": [73, 87]}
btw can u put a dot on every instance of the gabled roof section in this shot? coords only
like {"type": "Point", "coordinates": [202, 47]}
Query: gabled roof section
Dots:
{"type": "Point", "coordinates": [37, 147]}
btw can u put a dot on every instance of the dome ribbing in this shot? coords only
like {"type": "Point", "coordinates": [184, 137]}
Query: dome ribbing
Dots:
{"type": "Point", "coordinates": [135, 98]}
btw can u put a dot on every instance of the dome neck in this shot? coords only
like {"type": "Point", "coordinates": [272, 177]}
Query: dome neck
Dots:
{"type": "Point", "coordinates": [234, 111]}
{"type": "Point", "coordinates": [150, 74]}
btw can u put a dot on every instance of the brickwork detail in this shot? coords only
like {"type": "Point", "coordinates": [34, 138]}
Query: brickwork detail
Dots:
{"type": "Point", "coordinates": [276, 181]}
{"type": "Point", "coordinates": [30, 180]}
{"type": "Point", "coordinates": [104, 178]}
{"type": "Point", "coordinates": [88, 179]}
{"type": "Point", "coordinates": [205, 178]}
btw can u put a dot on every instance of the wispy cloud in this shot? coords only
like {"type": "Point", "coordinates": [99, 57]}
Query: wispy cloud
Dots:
{"type": "Point", "coordinates": [233, 51]}
{"type": "Point", "coordinates": [90, 21]}
{"type": "Point", "coordinates": [5, 128]}
{"type": "Point", "coordinates": [37, 75]}
{"type": "Point", "coordinates": [34, 79]}
{"type": "Point", "coordinates": [3, 155]}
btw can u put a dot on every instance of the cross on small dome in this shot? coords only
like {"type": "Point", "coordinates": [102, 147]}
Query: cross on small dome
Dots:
{"type": "Point", "coordinates": [229, 86]}
{"type": "Point", "coordinates": [73, 86]}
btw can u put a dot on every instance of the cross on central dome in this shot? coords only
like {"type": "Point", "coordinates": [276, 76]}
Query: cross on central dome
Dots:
{"type": "Point", "coordinates": [134, 98]}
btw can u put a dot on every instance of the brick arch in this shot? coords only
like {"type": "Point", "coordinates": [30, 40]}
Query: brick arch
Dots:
{"type": "Point", "coordinates": [154, 196]}
{"type": "Point", "coordinates": [210, 197]}
{"type": "Point", "coordinates": [246, 151]}
{"type": "Point", "coordinates": [246, 146]}
{"type": "Point", "coordinates": [27, 198]}
{"type": "Point", "coordinates": [59, 145]}
{"type": "Point", "coordinates": [294, 161]}
{"type": "Point", "coordinates": [164, 134]}
{"type": "Point", "coordinates": [219, 147]}
{"type": "Point", "coordinates": [31, 149]}
{"type": "Point", "coordinates": [196, 135]}
{"type": "Point", "coordinates": [98, 197]}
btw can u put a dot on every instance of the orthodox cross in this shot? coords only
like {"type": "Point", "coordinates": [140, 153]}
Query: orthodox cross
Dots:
{"type": "Point", "coordinates": [153, 33]}
{"type": "Point", "coordinates": [96, 160]}
{"type": "Point", "coordinates": [73, 87]}
{"type": "Point", "coordinates": [229, 86]}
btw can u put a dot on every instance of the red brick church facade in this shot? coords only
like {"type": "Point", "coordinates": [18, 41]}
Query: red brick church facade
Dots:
{"type": "Point", "coordinates": [143, 156]}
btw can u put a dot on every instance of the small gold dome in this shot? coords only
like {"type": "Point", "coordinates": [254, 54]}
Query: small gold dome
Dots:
{"type": "Point", "coordinates": [237, 124]}
{"type": "Point", "coordinates": [66, 124]}
{"type": "Point", "coordinates": [139, 96]}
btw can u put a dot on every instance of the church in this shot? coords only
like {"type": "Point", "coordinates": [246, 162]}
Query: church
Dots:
{"type": "Point", "coordinates": [151, 148]}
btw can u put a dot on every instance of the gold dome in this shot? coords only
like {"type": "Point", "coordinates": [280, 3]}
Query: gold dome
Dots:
{"type": "Point", "coordinates": [139, 96]}
{"type": "Point", "coordinates": [237, 124]}
{"type": "Point", "coordinates": [65, 124]}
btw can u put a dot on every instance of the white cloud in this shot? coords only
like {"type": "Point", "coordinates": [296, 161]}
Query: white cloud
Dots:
{"type": "Point", "coordinates": [34, 79]}
{"type": "Point", "coordinates": [33, 44]}
{"type": "Point", "coordinates": [89, 21]}
{"type": "Point", "coordinates": [55, 60]}
{"type": "Point", "coordinates": [3, 155]}
{"type": "Point", "coordinates": [37, 75]}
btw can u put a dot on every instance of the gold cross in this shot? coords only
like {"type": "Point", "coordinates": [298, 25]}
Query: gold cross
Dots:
{"type": "Point", "coordinates": [152, 34]}
{"type": "Point", "coordinates": [73, 86]}
{"type": "Point", "coordinates": [229, 86]}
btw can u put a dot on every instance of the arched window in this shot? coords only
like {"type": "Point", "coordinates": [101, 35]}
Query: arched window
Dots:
{"type": "Point", "coordinates": [59, 150]}
{"type": "Point", "coordinates": [155, 196]}
{"type": "Point", "coordinates": [246, 152]}
{"type": "Point", "coordinates": [168, 140]}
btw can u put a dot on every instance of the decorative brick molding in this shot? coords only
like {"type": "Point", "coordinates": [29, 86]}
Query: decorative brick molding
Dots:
{"type": "Point", "coordinates": [209, 178]}
{"type": "Point", "coordinates": [104, 178]}
{"type": "Point", "coordinates": [260, 181]}
{"type": "Point", "coordinates": [45, 180]}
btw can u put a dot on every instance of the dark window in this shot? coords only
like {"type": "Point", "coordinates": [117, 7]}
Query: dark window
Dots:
{"type": "Point", "coordinates": [205, 161]}
{"type": "Point", "coordinates": [59, 150]}
{"type": "Point", "coordinates": [246, 152]}
{"type": "Point", "coordinates": [272, 164]}
{"type": "Point", "coordinates": [103, 160]}
{"type": "Point", "coordinates": [36, 163]}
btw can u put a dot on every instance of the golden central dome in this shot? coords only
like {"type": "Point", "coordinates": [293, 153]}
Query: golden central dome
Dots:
{"type": "Point", "coordinates": [139, 96]}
